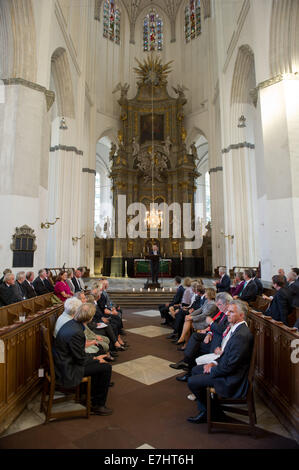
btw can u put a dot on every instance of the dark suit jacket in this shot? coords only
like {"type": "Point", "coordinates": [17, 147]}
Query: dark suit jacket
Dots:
{"type": "Point", "coordinates": [69, 354]}
{"type": "Point", "coordinates": [40, 287]}
{"type": "Point", "coordinates": [230, 376]}
{"type": "Point", "coordinates": [20, 289]}
{"type": "Point", "coordinates": [259, 285]}
{"type": "Point", "coordinates": [249, 293]}
{"type": "Point", "coordinates": [29, 290]}
{"type": "Point", "coordinates": [76, 285]}
{"type": "Point", "coordinates": [9, 294]}
{"type": "Point", "coordinates": [178, 296]}
{"type": "Point", "coordinates": [281, 305]}
{"type": "Point", "coordinates": [294, 290]}
{"type": "Point", "coordinates": [49, 286]}
{"type": "Point", "coordinates": [224, 285]}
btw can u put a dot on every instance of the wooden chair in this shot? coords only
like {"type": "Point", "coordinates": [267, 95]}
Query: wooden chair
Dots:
{"type": "Point", "coordinates": [50, 386]}
{"type": "Point", "coordinates": [248, 400]}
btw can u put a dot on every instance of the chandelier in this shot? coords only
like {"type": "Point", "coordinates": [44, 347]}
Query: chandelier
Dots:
{"type": "Point", "coordinates": [153, 218]}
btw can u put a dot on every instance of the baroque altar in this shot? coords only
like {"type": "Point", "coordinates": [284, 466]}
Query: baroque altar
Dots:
{"type": "Point", "coordinates": [151, 150]}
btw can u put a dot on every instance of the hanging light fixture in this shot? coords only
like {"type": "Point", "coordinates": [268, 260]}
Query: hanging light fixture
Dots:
{"type": "Point", "coordinates": [154, 218]}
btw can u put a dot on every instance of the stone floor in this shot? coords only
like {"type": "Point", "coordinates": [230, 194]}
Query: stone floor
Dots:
{"type": "Point", "coordinates": [127, 284]}
{"type": "Point", "coordinates": [145, 364]}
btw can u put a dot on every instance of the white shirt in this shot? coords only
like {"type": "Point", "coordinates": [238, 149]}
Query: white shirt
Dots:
{"type": "Point", "coordinates": [207, 358]}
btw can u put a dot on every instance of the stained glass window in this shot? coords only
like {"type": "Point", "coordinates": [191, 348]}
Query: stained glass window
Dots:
{"type": "Point", "coordinates": [152, 32]}
{"type": "Point", "coordinates": [192, 20]}
{"type": "Point", "coordinates": [111, 18]}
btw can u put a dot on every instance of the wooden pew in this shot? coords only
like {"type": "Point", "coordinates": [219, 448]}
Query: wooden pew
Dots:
{"type": "Point", "coordinates": [277, 369]}
{"type": "Point", "coordinates": [20, 354]}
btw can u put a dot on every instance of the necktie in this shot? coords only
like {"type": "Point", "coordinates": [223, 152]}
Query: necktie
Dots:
{"type": "Point", "coordinates": [226, 331]}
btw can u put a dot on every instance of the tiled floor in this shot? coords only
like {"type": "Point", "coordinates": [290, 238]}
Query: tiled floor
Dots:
{"type": "Point", "coordinates": [131, 373]}
{"type": "Point", "coordinates": [150, 331]}
{"type": "Point", "coordinates": [147, 370]}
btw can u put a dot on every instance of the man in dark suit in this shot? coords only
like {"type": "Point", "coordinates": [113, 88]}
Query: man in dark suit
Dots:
{"type": "Point", "coordinates": [293, 286]}
{"type": "Point", "coordinates": [8, 292]}
{"type": "Point", "coordinates": [204, 343]}
{"type": "Point", "coordinates": [164, 309]}
{"type": "Point", "coordinates": [41, 283]}
{"type": "Point", "coordinates": [77, 281]}
{"type": "Point", "coordinates": [223, 285]}
{"type": "Point", "coordinates": [20, 278]}
{"type": "Point", "coordinates": [249, 291]}
{"type": "Point", "coordinates": [6, 271]}
{"type": "Point", "coordinates": [72, 363]}
{"type": "Point", "coordinates": [259, 284]}
{"type": "Point", "coordinates": [229, 373]}
{"type": "Point", "coordinates": [155, 263]}
{"type": "Point", "coordinates": [281, 304]}
{"type": "Point", "coordinates": [28, 286]}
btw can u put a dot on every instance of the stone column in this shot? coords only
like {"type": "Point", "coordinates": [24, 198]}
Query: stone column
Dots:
{"type": "Point", "coordinates": [279, 217]}
{"type": "Point", "coordinates": [24, 164]}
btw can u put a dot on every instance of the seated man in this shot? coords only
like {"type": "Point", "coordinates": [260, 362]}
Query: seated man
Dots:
{"type": "Point", "coordinates": [206, 341]}
{"type": "Point", "coordinates": [72, 363]}
{"type": "Point", "coordinates": [293, 286]}
{"type": "Point", "coordinates": [28, 286]}
{"type": "Point", "coordinates": [164, 309]}
{"type": "Point", "coordinates": [281, 304]}
{"type": "Point", "coordinates": [77, 281]}
{"type": "Point", "coordinates": [41, 283]}
{"type": "Point", "coordinates": [250, 289]}
{"type": "Point", "coordinates": [223, 285]}
{"type": "Point", "coordinates": [8, 292]}
{"type": "Point", "coordinates": [229, 373]}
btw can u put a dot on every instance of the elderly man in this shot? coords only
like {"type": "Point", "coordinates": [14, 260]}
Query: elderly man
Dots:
{"type": "Point", "coordinates": [293, 287]}
{"type": "Point", "coordinates": [77, 281]}
{"type": "Point", "coordinates": [28, 285]}
{"type": "Point", "coordinates": [20, 278]}
{"type": "Point", "coordinates": [8, 292]}
{"type": "Point", "coordinates": [229, 373]}
{"type": "Point", "coordinates": [206, 341]}
{"type": "Point", "coordinates": [223, 285]}
{"type": "Point", "coordinates": [41, 283]}
{"type": "Point", "coordinates": [250, 289]}
{"type": "Point", "coordinates": [71, 306]}
{"type": "Point", "coordinates": [72, 363]}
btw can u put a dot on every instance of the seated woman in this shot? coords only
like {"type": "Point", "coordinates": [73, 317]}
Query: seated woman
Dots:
{"type": "Point", "coordinates": [196, 318]}
{"type": "Point", "coordinates": [62, 289]}
{"type": "Point", "coordinates": [238, 284]}
{"type": "Point", "coordinates": [72, 363]}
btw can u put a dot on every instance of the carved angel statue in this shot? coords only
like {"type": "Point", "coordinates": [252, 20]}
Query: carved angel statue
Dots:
{"type": "Point", "coordinates": [179, 90]}
{"type": "Point", "coordinates": [135, 146]}
{"type": "Point", "coordinates": [194, 150]}
{"type": "Point", "coordinates": [123, 88]}
{"type": "Point", "coordinates": [112, 151]}
{"type": "Point", "coordinates": [167, 145]}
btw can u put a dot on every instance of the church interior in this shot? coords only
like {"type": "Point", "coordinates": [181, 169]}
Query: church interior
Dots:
{"type": "Point", "coordinates": [126, 129]}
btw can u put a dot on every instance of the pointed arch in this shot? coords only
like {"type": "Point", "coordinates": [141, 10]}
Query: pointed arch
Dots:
{"type": "Point", "coordinates": [17, 40]}
{"type": "Point", "coordinates": [63, 83]}
{"type": "Point", "coordinates": [284, 37]}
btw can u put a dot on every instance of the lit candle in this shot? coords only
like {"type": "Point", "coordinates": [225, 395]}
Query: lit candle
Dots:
{"type": "Point", "coordinates": [148, 289]}
{"type": "Point", "coordinates": [181, 255]}
{"type": "Point", "coordinates": [133, 289]}
{"type": "Point", "coordinates": [163, 290]}
{"type": "Point", "coordinates": [156, 290]}
{"type": "Point", "coordinates": [170, 290]}
{"type": "Point", "coordinates": [140, 289]}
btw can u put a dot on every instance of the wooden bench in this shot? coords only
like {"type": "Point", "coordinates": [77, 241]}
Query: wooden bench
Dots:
{"type": "Point", "coordinates": [20, 354]}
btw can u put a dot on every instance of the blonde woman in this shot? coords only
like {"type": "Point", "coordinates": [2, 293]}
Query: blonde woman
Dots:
{"type": "Point", "coordinates": [195, 319]}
